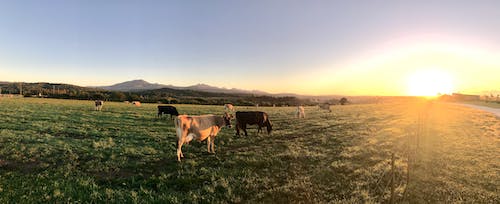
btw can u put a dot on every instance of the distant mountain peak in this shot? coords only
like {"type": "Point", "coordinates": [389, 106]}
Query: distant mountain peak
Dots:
{"type": "Point", "coordinates": [141, 85]}
{"type": "Point", "coordinates": [134, 85]}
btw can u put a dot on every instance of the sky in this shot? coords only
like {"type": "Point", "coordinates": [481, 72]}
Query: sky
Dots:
{"type": "Point", "coordinates": [359, 47]}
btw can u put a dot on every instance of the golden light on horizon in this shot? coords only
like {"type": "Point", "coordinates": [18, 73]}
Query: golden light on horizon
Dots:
{"type": "Point", "coordinates": [411, 67]}
{"type": "Point", "coordinates": [429, 83]}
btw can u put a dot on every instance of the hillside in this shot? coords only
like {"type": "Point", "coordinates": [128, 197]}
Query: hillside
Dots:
{"type": "Point", "coordinates": [134, 85]}
{"type": "Point", "coordinates": [141, 85]}
{"type": "Point", "coordinates": [43, 88]}
{"type": "Point", "coordinates": [162, 95]}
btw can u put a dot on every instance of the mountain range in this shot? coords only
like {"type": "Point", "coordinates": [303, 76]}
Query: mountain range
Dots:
{"type": "Point", "coordinates": [141, 85]}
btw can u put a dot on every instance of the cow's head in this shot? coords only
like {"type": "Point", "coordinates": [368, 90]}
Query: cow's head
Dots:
{"type": "Point", "coordinates": [269, 126]}
{"type": "Point", "coordinates": [227, 119]}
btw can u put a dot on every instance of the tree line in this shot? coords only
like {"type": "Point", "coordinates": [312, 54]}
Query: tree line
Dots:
{"type": "Point", "coordinates": [164, 95]}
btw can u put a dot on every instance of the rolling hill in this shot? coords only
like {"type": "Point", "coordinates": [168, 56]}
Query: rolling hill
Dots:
{"type": "Point", "coordinates": [142, 85]}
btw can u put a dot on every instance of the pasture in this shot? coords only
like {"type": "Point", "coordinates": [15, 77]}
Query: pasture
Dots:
{"type": "Point", "coordinates": [64, 151]}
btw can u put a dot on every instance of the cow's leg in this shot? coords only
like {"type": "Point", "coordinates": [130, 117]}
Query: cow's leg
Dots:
{"type": "Point", "coordinates": [180, 140]}
{"type": "Point", "coordinates": [237, 127]}
{"type": "Point", "coordinates": [179, 150]}
{"type": "Point", "coordinates": [208, 143]}
{"type": "Point", "coordinates": [245, 129]}
{"type": "Point", "coordinates": [211, 139]}
{"type": "Point", "coordinates": [213, 143]}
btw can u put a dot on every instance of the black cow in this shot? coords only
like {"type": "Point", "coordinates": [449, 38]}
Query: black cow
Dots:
{"type": "Point", "coordinates": [171, 110]}
{"type": "Point", "coordinates": [244, 118]}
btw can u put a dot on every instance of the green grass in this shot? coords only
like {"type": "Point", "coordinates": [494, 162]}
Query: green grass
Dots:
{"type": "Point", "coordinates": [63, 151]}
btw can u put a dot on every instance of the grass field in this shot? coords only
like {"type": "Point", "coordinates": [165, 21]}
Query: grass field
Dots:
{"type": "Point", "coordinates": [63, 151]}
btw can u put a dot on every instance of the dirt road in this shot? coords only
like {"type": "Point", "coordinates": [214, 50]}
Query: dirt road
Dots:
{"type": "Point", "coordinates": [495, 111]}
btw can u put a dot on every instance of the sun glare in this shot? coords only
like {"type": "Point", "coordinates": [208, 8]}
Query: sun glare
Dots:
{"type": "Point", "coordinates": [429, 83]}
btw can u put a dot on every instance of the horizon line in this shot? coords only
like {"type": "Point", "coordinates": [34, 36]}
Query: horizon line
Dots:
{"type": "Point", "coordinates": [267, 92]}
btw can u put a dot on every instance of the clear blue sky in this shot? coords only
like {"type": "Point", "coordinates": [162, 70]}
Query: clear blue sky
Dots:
{"type": "Point", "coordinates": [267, 45]}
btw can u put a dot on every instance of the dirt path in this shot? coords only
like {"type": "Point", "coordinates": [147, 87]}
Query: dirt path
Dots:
{"type": "Point", "coordinates": [495, 111]}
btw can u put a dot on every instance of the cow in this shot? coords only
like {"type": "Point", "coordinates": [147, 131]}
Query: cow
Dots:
{"type": "Point", "coordinates": [300, 112]}
{"type": "Point", "coordinates": [171, 110]}
{"type": "Point", "coordinates": [228, 107]}
{"type": "Point", "coordinates": [199, 128]}
{"type": "Point", "coordinates": [136, 103]}
{"type": "Point", "coordinates": [244, 118]}
{"type": "Point", "coordinates": [98, 105]}
{"type": "Point", "coordinates": [325, 106]}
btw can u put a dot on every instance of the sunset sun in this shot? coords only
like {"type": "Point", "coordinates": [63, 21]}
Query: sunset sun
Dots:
{"type": "Point", "coordinates": [429, 83]}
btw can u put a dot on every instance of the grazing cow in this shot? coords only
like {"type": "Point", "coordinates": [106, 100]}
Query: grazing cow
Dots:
{"type": "Point", "coordinates": [199, 128]}
{"type": "Point", "coordinates": [98, 105]}
{"type": "Point", "coordinates": [244, 118]}
{"type": "Point", "coordinates": [171, 110]}
{"type": "Point", "coordinates": [300, 112]}
{"type": "Point", "coordinates": [325, 106]}
{"type": "Point", "coordinates": [136, 103]}
{"type": "Point", "coordinates": [228, 107]}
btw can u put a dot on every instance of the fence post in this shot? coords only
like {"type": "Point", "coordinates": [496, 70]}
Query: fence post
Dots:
{"type": "Point", "coordinates": [392, 179]}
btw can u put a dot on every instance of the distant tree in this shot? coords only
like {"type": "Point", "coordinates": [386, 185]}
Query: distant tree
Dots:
{"type": "Point", "coordinates": [343, 101]}
{"type": "Point", "coordinates": [118, 96]}
{"type": "Point", "coordinates": [486, 98]}
{"type": "Point", "coordinates": [98, 96]}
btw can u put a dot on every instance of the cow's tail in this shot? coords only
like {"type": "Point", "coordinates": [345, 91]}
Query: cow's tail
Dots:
{"type": "Point", "coordinates": [177, 124]}
{"type": "Point", "coordinates": [178, 131]}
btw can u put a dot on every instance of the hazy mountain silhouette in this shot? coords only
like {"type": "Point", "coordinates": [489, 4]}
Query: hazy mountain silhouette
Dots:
{"type": "Point", "coordinates": [134, 85]}
{"type": "Point", "coordinates": [141, 85]}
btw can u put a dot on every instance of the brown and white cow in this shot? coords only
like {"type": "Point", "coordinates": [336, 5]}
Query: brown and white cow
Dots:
{"type": "Point", "coordinates": [300, 112]}
{"type": "Point", "coordinates": [199, 128]}
{"type": "Point", "coordinates": [98, 105]}
{"type": "Point", "coordinates": [228, 107]}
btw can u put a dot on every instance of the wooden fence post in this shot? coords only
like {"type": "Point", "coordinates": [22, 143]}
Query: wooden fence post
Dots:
{"type": "Point", "coordinates": [392, 179]}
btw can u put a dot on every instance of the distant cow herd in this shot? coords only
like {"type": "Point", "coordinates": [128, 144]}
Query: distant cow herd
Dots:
{"type": "Point", "coordinates": [206, 127]}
